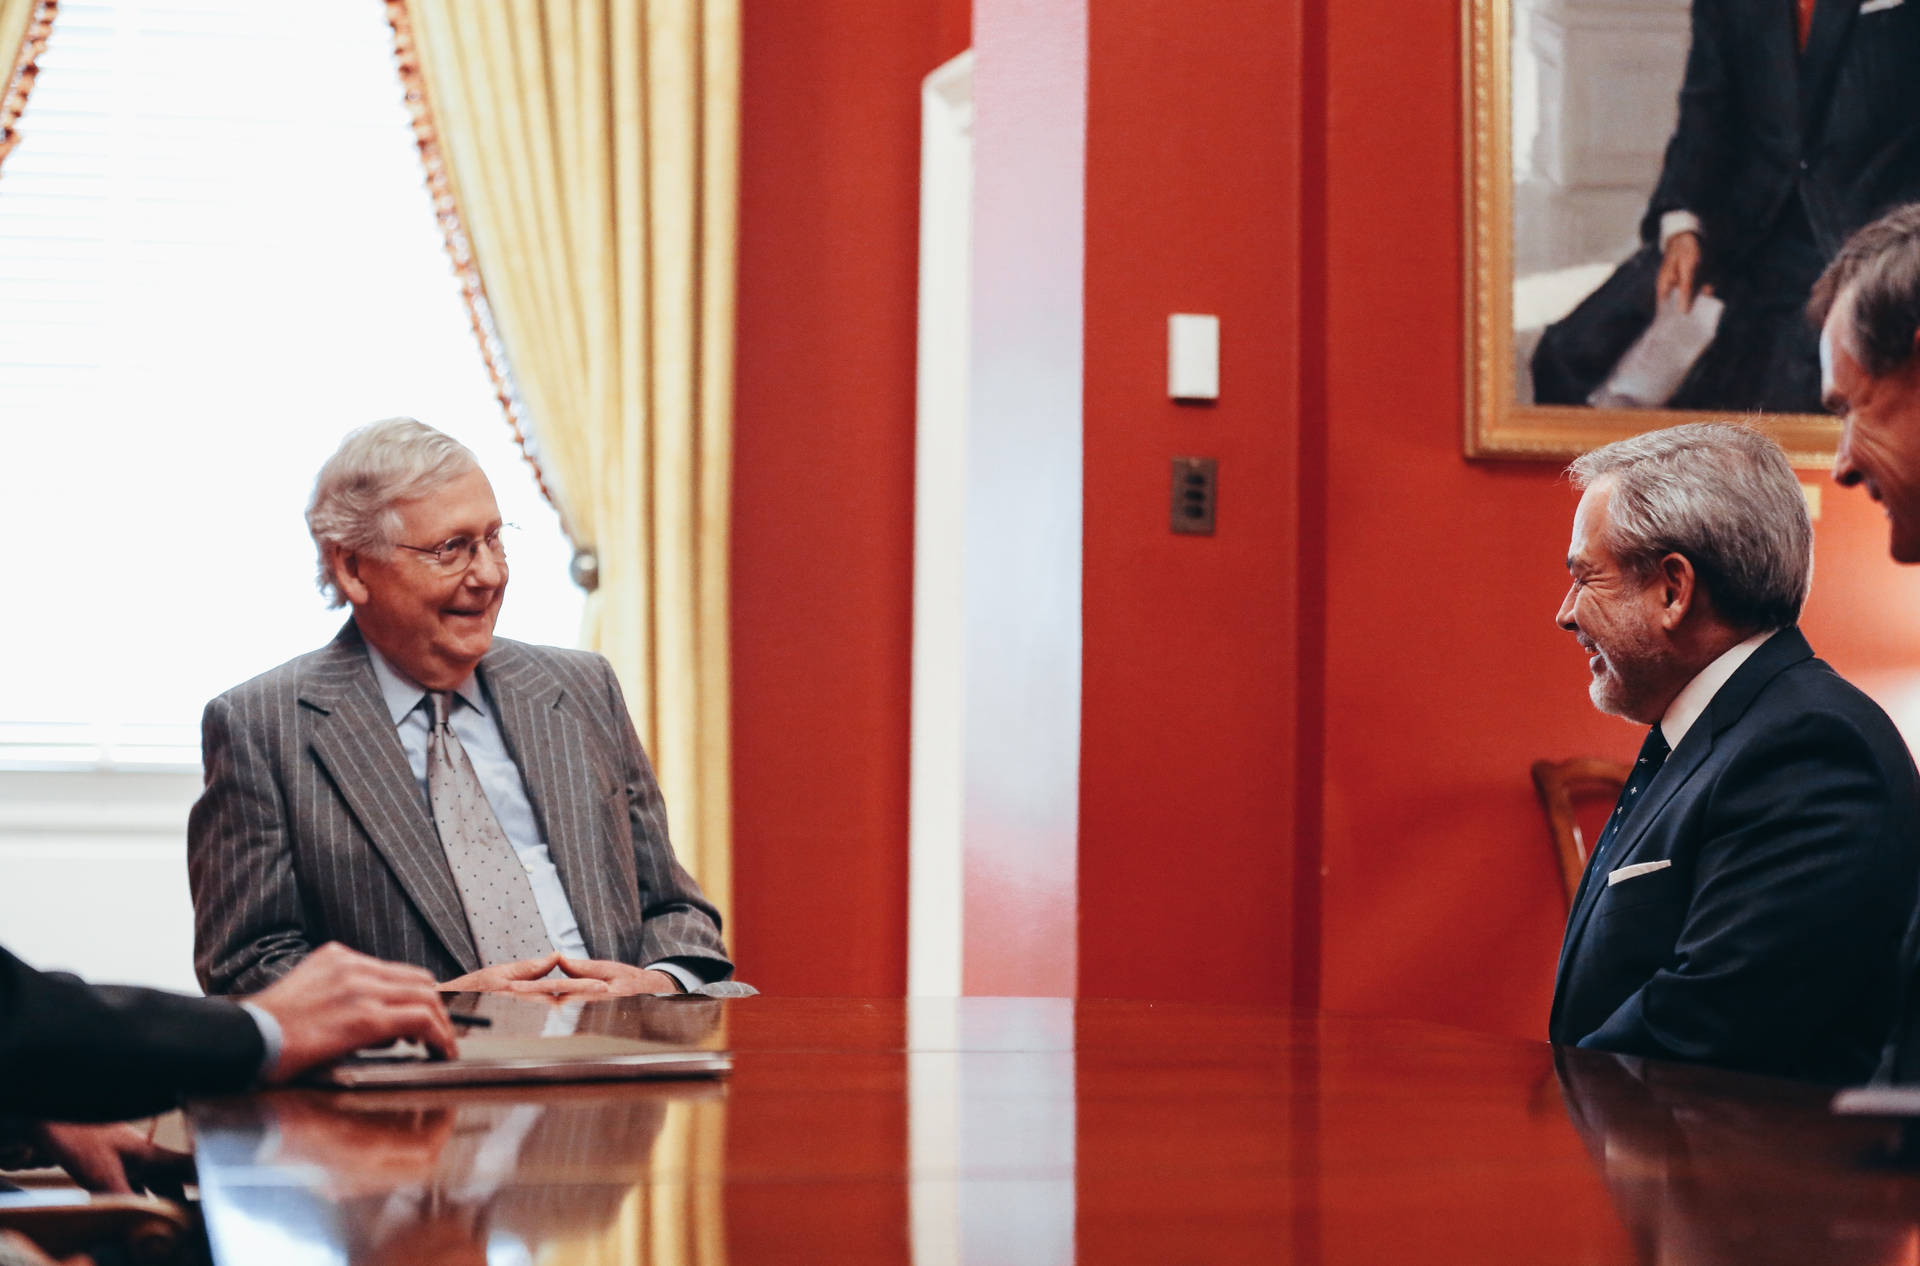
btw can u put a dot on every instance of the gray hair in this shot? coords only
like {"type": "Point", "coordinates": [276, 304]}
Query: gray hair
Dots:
{"type": "Point", "coordinates": [1723, 497]}
{"type": "Point", "coordinates": [376, 467]}
{"type": "Point", "coordinates": [1880, 266]}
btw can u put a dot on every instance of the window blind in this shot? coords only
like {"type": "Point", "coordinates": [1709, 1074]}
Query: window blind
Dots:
{"type": "Point", "coordinates": [217, 255]}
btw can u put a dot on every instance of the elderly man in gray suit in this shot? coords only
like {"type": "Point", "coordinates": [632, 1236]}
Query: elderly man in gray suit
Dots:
{"type": "Point", "coordinates": [425, 792]}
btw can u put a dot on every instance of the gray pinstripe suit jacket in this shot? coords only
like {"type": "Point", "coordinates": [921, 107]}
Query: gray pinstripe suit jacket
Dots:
{"type": "Point", "coordinates": [312, 829]}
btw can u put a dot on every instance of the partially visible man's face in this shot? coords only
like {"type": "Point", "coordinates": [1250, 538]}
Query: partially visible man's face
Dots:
{"type": "Point", "coordinates": [434, 625]}
{"type": "Point", "coordinates": [1880, 430]}
{"type": "Point", "coordinates": [1616, 619]}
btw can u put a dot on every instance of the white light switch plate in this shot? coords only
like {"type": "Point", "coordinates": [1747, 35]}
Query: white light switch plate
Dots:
{"type": "Point", "coordinates": [1193, 356]}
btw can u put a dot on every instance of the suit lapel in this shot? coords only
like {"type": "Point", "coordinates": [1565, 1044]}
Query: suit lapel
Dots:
{"type": "Point", "coordinates": [1728, 705]}
{"type": "Point", "coordinates": [1778, 65]}
{"type": "Point", "coordinates": [354, 740]}
{"type": "Point", "coordinates": [1777, 654]}
{"type": "Point", "coordinates": [549, 744]}
{"type": "Point", "coordinates": [1673, 775]}
{"type": "Point", "coordinates": [1820, 64]}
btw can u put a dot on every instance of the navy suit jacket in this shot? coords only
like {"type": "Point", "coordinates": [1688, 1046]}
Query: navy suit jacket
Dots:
{"type": "Point", "coordinates": [1770, 941]}
{"type": "Point", "coordinates": [1760, 122]}
{"type": "Point", "coordinates": [79, 1052]}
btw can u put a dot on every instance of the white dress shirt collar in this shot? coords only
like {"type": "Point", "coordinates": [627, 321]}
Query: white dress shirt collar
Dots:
{"type": "Point", "coordinates": [1688, 706]}
{"type": "Point", "coordinates": [403, 693]}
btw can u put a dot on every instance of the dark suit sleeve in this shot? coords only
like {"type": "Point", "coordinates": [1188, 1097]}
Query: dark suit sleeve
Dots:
{"type": "Point", "coordinates": [1800, 888]}
{"type": "Point", "coordinates": [248, 920]}
{"type": "Point", "coordinates": [678, 922]}
{"type": "Point", "coordinates": [1699, 152]}
{"type": "Point", "coordinates": [79, 1052]}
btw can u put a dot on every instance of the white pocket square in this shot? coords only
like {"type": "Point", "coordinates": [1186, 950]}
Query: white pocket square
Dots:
{"type": "Point", "coordinates": [1639, 868]}
{"type": "Point", "coordinates": [1875, 6]}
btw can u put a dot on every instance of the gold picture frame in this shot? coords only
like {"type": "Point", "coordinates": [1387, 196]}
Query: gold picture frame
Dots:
{"type": "Point", "coordinates": [1497, 426]}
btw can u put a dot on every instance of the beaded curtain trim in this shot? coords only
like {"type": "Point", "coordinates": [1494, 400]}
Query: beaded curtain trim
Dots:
{"type": "Point", "coordinates": [459, 249]}
{"type": "Point", "coordinates": [24, 67]}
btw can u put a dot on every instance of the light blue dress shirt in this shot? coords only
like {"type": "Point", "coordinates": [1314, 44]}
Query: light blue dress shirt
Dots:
{"type": "Point", "coordinates": [473, 723]}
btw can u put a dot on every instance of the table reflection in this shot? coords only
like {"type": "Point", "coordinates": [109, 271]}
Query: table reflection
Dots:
{"type": "Point", "coordinates": [1707, 1167]}
{"type": "Point", "coordinates": [1044, 1132]}
{"type": "Point", "coordinates": [688, 1019]}
{"type": "Point", "coordinates": [593, 1173]}
{"type": "Point", "coordinates": [990, 1094]}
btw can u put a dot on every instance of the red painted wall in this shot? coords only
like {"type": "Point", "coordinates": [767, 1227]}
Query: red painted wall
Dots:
{"type": "Point", "coordinates": [1187, 787]}
{"type": "Point", "coordinates": [823, 486]}
{"type": "Point", "coordinates": [1445, 675]}
{"type": "Point", "coordinates": [1350, 678]}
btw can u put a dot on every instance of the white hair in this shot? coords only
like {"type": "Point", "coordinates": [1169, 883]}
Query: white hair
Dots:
{"type": "Point", "coordinates": [376, 467]}
{"type": "Point", "coordinates": [1722, 496]}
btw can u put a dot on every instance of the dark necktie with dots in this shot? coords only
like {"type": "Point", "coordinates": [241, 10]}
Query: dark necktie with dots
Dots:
{"type": "Point", "coordinates": [494, 888]}
{"type": "Point", "coordinates": [1653, 754]}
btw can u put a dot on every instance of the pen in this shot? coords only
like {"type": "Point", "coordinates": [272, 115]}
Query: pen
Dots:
{"type": "Point", "coordinates": [472, 1021]}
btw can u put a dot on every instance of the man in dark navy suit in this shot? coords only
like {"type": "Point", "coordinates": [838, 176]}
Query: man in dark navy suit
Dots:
{"type": "Point", "coordinates": [75, 1052]}
{"type": "Point", "coordinates": [1867, 307]}
{"type": "Point", "coordinates": [1799, 122]}
{"type": "Point", "coordinates": [1745, 904]}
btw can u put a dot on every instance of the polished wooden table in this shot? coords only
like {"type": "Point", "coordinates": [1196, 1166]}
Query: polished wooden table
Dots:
{"type": "Point", "coordinates": [995, 1130]}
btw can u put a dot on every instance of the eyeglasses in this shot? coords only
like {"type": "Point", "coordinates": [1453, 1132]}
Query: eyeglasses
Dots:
{"type": "Point", "coordinates": [458, 553]}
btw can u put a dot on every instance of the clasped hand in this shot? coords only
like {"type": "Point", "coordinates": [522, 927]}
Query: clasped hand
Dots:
{"type": "Point", "coordinates": [588, 976]}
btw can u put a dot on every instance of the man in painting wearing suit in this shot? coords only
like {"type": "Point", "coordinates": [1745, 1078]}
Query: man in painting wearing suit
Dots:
{"type": "Point", "coordinates": [425, 792]}
{"type": "Point", "coordinates": [1745, 903]}
{"type": "Point", "coordinates": [1799, 122]}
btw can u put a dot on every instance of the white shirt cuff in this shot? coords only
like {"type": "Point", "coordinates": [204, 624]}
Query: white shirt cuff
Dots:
{"type": "Point", "coordinates": [1674, 223]}
{"type": "Point", "coordinates": [270, 1036]}
{"type": "Point", "coordinates": [687, 980]}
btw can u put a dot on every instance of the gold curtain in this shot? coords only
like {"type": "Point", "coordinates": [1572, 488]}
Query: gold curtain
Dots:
{"type": "Point", "coordinates": [24, 27]}
{"type": "Point", "coordinates": [584, 157]}
{"type": "Point", "coordinates": [678, 1217]}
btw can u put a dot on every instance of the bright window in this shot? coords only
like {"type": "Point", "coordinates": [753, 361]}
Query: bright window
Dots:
{"type": "Point", "coordinates": [217, 255]}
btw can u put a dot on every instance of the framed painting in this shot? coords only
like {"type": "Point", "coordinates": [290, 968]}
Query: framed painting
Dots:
{"type": "Point", "coordinates": [1618, 277]}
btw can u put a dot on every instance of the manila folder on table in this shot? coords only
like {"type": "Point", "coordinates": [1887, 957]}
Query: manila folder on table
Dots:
{"type": "Point", "coordinates": [485, 1060]}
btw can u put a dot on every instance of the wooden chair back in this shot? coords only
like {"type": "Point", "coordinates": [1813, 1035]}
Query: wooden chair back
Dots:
{"type": "Point", "coordinates": [1566, 787]}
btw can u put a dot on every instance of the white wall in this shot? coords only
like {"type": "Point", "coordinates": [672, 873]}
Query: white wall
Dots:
{"type": "Point", "coordinates": [93, 874]}
{"type": "Point", "coordinates": [935, 791]}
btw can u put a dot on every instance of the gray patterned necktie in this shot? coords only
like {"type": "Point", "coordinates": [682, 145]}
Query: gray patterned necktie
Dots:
{"type": "Point", "coordinates": [501, 912]}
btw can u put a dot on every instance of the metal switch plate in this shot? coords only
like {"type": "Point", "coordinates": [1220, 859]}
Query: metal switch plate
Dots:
{"type": "Point", "coordinates": [1195, 482]}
